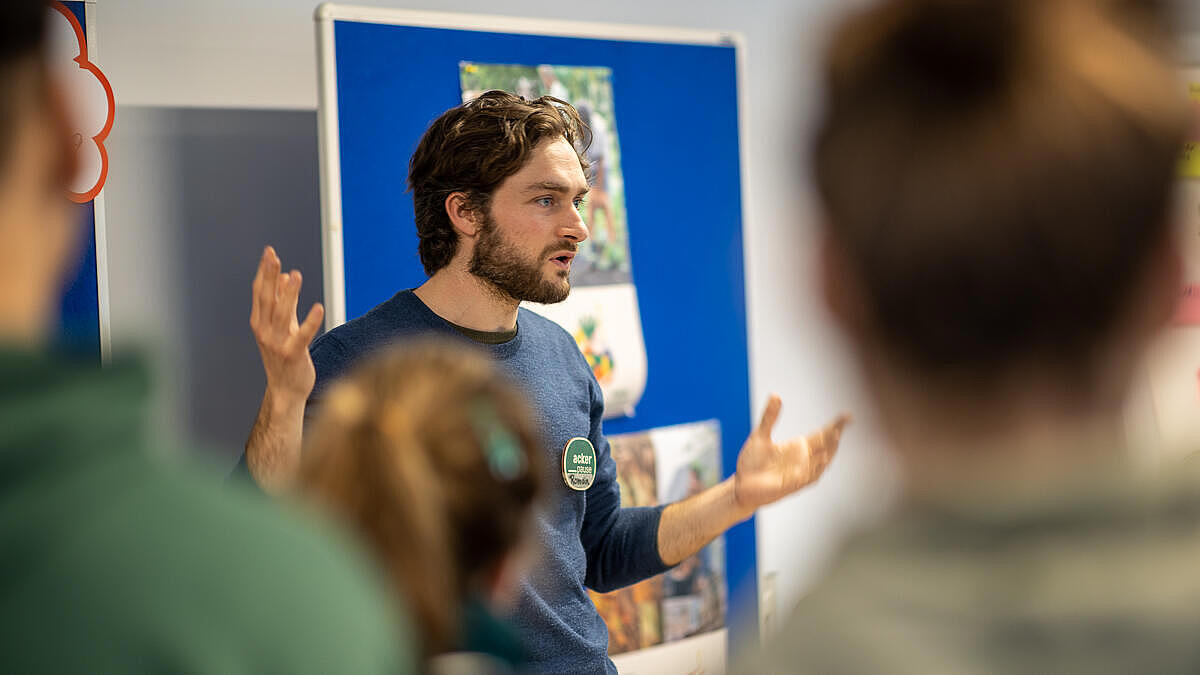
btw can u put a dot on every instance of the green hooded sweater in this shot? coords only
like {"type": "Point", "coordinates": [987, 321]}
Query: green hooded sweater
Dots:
{"type": "Point", "coordinates": [114, 560]}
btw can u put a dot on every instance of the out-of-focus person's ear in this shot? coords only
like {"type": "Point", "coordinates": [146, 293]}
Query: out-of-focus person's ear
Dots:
{"type": "Point", "coordinates": [67, 146]}
{"type": "Point", "coordinates": [1165, 281]}
{"type": "Point", "coordinates": [841, 289]}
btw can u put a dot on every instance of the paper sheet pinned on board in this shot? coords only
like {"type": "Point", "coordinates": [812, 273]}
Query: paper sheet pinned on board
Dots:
{"type": "Point", "coordinates": [1189, 165]}
{"type": "Point", "coordinates": [602, 311]}
{"type": "Point", "coordinates": [605, 323]}
{"type": "Point", "coordinates": [1187, 223]}
{"type": "Point", "coordinates": [654, 467]}
{"type": "Point", "coordinates": [1173, 362]}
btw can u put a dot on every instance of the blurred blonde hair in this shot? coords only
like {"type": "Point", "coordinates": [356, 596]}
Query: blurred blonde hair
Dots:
{"type": "Point", "coordinates": [431, 455]}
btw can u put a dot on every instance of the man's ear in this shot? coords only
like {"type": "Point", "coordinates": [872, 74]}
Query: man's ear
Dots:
{"type": "Point", "coordinates": [463, 216]}
{"type": "Point", "coordinates": [841, 288]}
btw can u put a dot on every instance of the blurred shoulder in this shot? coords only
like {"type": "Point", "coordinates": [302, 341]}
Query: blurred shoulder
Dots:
{"type": "Point", "coordinates": [165, 560]}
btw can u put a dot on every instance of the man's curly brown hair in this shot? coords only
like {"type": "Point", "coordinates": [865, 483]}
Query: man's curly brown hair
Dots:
{"type": "Point", "coordinates": [471, 149]}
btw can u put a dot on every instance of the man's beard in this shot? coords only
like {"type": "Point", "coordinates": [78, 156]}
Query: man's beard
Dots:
{"type": "Point", "coordinates": [499, 263]}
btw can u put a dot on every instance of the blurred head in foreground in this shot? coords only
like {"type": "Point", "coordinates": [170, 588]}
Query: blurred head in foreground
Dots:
{"type": "Point", "coordinates": [37, 226]}
{"type": "Point", "coordinates": [430, 454]}
{"type": "Point", "coordinates": [116, 558]}
{"type": "Point", "coordinates": [995, 178]}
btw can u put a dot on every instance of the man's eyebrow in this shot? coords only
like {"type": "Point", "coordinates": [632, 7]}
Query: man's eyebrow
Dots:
{"type": "Point", "coordinates": [553, 187]}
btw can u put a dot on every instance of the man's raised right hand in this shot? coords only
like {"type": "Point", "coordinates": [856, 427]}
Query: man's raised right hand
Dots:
{"type": "Point", "coordinates": [282, 340]}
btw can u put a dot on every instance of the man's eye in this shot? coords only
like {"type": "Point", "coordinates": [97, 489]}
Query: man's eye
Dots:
{"type": "Point", "coordinates": [545, 201]}
{"type": "Point", "coordinates": [579, 204]}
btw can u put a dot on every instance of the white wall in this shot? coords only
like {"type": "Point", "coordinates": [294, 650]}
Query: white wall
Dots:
{"type": "Point", "coordinates": [259, 54]}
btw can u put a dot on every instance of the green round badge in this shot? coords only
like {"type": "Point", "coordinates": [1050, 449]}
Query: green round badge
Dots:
{"type": "Point", "coordinates": [579, 464]}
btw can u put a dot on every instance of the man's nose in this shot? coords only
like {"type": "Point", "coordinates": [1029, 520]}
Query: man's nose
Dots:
{"type": "Point", "coordinates": [574, 228]}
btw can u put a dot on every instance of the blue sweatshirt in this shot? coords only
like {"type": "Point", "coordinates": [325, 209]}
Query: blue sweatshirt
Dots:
{"type": "Point", "coordinates": [589, 540]}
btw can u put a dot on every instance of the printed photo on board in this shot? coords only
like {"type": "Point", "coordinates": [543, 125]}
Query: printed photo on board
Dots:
{"type": "Point", "coordinates": [604, 258]}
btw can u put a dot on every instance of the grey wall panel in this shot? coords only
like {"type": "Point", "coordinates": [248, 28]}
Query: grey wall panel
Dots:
{"type": "Point", "coordinates": [194, 196]}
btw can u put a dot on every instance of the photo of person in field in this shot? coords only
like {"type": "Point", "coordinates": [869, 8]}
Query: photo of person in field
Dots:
{"type": "Point", "coordinates": [604, 258]}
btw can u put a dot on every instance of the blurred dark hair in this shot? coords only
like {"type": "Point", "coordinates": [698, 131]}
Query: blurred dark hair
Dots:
{"type": "Point", "coordinates": [472, 148]}
{"type": "Point", "coordinates": [22, 35]}
{"type": "Point", "coordinates": [998, 173]}
{"type": "Point", "coordinates": [22, 29]}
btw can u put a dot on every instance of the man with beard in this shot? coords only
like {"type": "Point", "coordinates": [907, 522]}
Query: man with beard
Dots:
{"type": "Point", "coordinates": [498, 185]}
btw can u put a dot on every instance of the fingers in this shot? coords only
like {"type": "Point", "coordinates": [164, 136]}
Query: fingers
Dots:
{"type": "Point", "coordinates": [828, 439]}
{"type": "Point", "coordinates": [835, 428]}
{"type": "Point", "coordinates": [275, 298]}
{"type": "Point", "coordinates": [769, 416]}
{"type": "Point", "coordinates": [312, 323]}
{"type": "Point", "coordinates": [256, 289]}
{"type": "Point", "coordinates": [289, 295]}
{"type": "Point", "coordinates": [270, 282]}
{"type": "Point", "coordinates": [265, 281]}
{"type": "Point", "coordinates": [261, 273]}
{"type": "Point", "coordinates": [805, 458]}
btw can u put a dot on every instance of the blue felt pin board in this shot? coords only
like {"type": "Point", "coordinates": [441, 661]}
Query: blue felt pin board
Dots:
{"type": "Point", "coordinates": [677, 117]}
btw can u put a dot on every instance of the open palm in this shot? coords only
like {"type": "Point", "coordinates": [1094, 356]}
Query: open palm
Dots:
{"type": "Point", "coordinates": [769, 470]}
{"type": "Point", "coordinates": [282, 339]}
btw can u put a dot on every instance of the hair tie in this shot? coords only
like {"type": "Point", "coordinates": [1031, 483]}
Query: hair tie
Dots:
{"type": "Point", "coordinates": [504, 457]}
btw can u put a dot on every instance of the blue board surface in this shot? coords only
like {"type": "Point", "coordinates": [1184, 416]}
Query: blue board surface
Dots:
{"type": "Point", "coordinates": [677, 117]}
{"type": "Point", "coordinates": [79, 314]}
